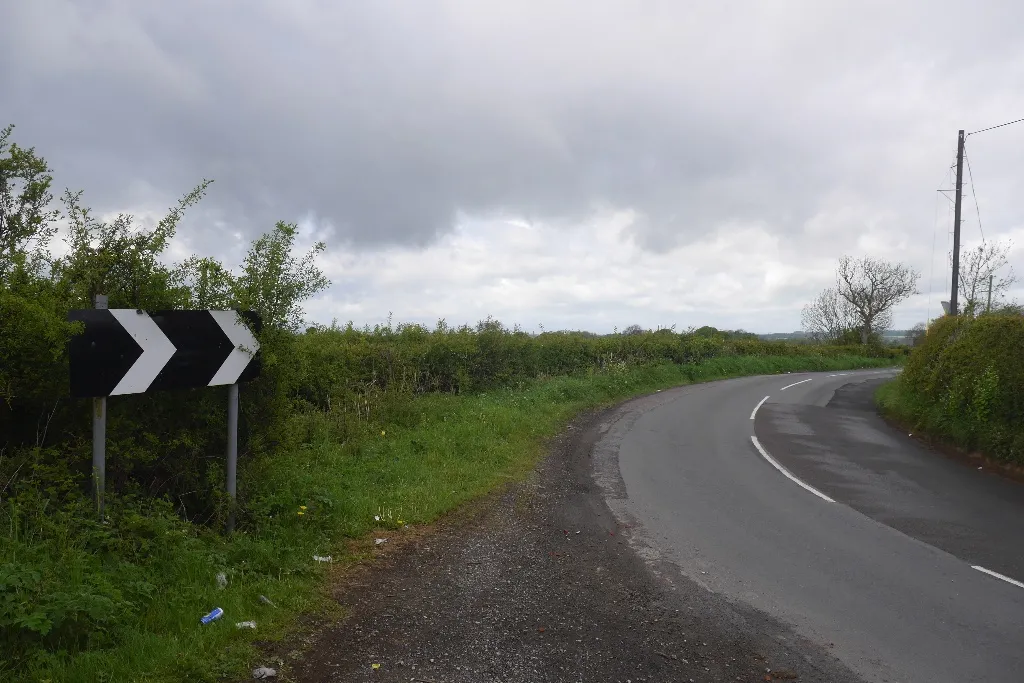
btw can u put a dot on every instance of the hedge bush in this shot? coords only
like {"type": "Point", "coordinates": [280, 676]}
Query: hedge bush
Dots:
{"type": "Point", "coordinates": [966, 381]}
{"type": "Point", "coordinates": [337, 363]}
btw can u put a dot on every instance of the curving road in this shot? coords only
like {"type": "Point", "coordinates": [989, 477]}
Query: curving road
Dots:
{"type": "Point", "coordinates": [906, 565]}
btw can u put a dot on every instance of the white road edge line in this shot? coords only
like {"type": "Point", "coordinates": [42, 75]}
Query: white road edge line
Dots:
{"type": "Point", "coordinates": [758, 406]}
{"type": "Point", "coordinates": [1007, 579]}
{"type": "Point", "coordinates": [780, 468]}
{"type": "Point", "coordinates": [795, 383]}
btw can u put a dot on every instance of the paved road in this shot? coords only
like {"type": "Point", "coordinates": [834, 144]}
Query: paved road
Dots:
{"type": "Point", "coordinates": [858, 538]}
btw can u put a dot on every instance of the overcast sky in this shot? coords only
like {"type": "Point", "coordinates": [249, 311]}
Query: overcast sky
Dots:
{"type": "Point", "coordinates": [584, 164]}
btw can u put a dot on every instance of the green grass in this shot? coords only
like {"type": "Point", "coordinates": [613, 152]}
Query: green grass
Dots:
{"type": "Point", "coordinates": [924, 417]}
{"type": "Point", "coordinates": [413, 460]}
{"type": "Point", "coordinates": [894, 401]}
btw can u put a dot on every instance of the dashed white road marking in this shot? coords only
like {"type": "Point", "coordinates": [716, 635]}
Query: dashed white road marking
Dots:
{"type": "Point", "coordinates": [780, 468]}
{"type": "Point", "coordinates": [754, 412]}
{"type": "Point", "coordinates": [795, 383]}
{"type": "Point", "coordinates": [1007, 579]}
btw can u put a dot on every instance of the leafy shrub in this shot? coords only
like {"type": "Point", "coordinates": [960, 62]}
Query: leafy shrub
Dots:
{"type": "Point", "coordinates": [968, 377]}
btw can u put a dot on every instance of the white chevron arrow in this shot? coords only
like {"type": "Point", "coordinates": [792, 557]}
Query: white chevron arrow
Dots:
{"type": "Point", "coordinates": [157, 349]}
{"type": "Point", "coordinates": [237, 360]}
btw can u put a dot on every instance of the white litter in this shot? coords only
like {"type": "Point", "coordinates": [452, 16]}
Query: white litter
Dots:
{"type": "Point", "coordinates": [318, 558]}
{"type": "Point", "coordinates": [380, 541]}
{"type": "Point", "coordinates": [246, 624]}
{"type": "Point", "coordinates": [222, 580]}
{"type": "Point", "coordinates": [263, 672]}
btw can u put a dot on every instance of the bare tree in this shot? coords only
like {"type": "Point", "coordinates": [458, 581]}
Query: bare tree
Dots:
{"type": "Point", "coordinates": [829, 317]}
{"type": "Point", "coordinates": [976, 267]}
{"type": "Point", "coordinates": [872, 287]}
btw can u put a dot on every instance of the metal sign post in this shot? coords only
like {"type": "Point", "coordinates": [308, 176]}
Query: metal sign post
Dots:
{"type": "Point", "coordinates": [232, 460]}
{"type": "Point", "coordinates": [99, 435]}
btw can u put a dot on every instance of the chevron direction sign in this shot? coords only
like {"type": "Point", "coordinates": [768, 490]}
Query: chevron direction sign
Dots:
{"type": "Point", "coordinates": [128, 351]}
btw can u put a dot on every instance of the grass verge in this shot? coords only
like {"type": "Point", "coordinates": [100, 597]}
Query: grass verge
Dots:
{"type": "Point", "coordinates": [905, 407]}
{"type": "Point", "coordinates": [422, 457]}
{"type": "Point", "coordinates": [953, 434]}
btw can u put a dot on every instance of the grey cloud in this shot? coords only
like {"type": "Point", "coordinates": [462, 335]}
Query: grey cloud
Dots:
{"type": "Point", "coordinates": [386, 120]}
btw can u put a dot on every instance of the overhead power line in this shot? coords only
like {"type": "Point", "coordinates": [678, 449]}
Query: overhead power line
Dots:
{"type": "Point", "coordinates": [994, 127]}
{"type": "Point", "coordinates": [974, 194]}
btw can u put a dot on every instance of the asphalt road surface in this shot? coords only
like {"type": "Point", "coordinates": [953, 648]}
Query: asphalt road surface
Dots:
{"type": "Point", "coordinates": [907, 566]}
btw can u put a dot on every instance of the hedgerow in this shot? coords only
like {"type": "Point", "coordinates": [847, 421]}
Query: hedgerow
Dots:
{"type": "Point", "coordinates": [965, 382]}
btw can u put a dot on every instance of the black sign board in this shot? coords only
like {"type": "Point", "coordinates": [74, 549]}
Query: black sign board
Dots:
{"type": "Point", "coordinates": [128, 351]}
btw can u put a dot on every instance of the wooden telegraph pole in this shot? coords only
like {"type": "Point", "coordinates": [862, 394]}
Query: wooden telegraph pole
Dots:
{"type": "Point", "coordinates": [956, 222]}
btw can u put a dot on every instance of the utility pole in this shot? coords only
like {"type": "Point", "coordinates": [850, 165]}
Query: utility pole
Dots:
{"type": "Point", "coordinates": [956, 221]}
{"type": "Point", "coordinates": [988, 307]}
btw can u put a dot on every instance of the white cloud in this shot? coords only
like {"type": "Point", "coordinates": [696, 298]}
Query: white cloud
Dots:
{"type": "Point", "coordinates": [591, 275]}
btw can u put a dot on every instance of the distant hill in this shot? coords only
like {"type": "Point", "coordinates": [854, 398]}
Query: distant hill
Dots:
{"type": "Point", "coordinates": [890, 336]}
{"type": "Point", "coordinates": [783, 336]}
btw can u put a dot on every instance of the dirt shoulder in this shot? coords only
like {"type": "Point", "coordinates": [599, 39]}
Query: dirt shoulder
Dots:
{"type": "Point", "coordinates": [541, 583]}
